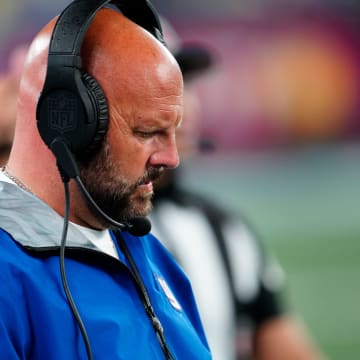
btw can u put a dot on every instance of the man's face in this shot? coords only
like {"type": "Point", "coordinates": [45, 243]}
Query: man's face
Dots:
{"type": "Point", "coordinates": [140, 143]}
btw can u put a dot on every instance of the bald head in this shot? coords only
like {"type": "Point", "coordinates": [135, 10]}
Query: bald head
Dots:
{"type": "Point", "coordinates": [126, 52]}
{"type": "Point", "coordinates": [133, 68]}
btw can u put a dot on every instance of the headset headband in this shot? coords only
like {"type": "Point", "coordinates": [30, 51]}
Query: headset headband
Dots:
{"type": "Point", "coordinates": [71, 26]}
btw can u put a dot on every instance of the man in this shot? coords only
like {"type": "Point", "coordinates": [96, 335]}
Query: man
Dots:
{"type": "Point", "coordinates": [122, 296]}
{"type": "Point", "coordinates": [236, 284]}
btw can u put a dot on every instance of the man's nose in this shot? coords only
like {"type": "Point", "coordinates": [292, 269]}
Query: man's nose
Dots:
{"type": "Point", "coordinates": [166, 154]}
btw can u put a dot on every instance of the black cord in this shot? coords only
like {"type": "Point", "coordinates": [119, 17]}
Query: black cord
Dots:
{"type": "Point", "coordinates": [63, 274]}
{"type": "Point", "coordinates": [158, 328]}
{"type": "Point", "coordinates": [66, 158]}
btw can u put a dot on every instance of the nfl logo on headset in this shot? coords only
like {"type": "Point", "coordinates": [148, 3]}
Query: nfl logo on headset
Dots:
{"type": "Point", "coordinates": [62, 113]}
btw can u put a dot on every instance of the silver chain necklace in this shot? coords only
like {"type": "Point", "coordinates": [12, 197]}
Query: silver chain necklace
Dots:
{"type": "Point", "coordinates": [15, 180]}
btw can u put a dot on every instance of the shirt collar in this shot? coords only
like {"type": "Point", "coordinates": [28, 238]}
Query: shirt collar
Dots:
{"type": "Point", "coordinates": [33, 223]}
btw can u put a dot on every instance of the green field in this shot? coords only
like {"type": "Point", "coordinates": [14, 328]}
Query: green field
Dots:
{"type": "Point", "coordinates": [306, 205]}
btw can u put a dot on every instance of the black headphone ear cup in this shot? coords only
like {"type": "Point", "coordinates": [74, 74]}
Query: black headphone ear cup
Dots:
{"type": "Point", "coordinates": [99, 101]}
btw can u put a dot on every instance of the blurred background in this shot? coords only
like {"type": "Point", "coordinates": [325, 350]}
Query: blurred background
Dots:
{"type": "Point", "coordinates": [282, 106]}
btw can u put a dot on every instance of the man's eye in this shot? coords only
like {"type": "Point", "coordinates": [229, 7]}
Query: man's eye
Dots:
{"type": "Point", "coordinates": [145, 134]}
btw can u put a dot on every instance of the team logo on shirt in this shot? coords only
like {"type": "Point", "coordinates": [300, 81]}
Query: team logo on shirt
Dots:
{"type": "Point", "coordinates": [169, 294]}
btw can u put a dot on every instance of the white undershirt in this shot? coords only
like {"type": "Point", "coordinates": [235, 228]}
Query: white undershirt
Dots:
{"type": "Point", "coordinates": [101, 239]}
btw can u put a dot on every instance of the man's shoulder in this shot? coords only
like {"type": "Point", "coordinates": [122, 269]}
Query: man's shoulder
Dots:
{"type": "Point", "coordinates": [8, 246]}
{"type": "Point", "coordinates": [13, 265]}
{"type": "Point", "coordinates": [12, 254]}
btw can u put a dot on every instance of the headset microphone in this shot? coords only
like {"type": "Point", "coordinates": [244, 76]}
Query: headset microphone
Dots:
{"type": "Point", "coordinates": [72, 112]}
{"type": "Point", "coordinates": [139, 226]}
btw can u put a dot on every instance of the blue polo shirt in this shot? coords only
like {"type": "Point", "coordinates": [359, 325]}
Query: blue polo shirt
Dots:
{"type": "Point", "coordinates": [35, 318]}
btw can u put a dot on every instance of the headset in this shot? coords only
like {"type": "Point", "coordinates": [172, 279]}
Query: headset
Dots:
{"type": "Point", "coordinates": [72, 112]}
{"type": "Point", "coordinates": [72, 107]}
